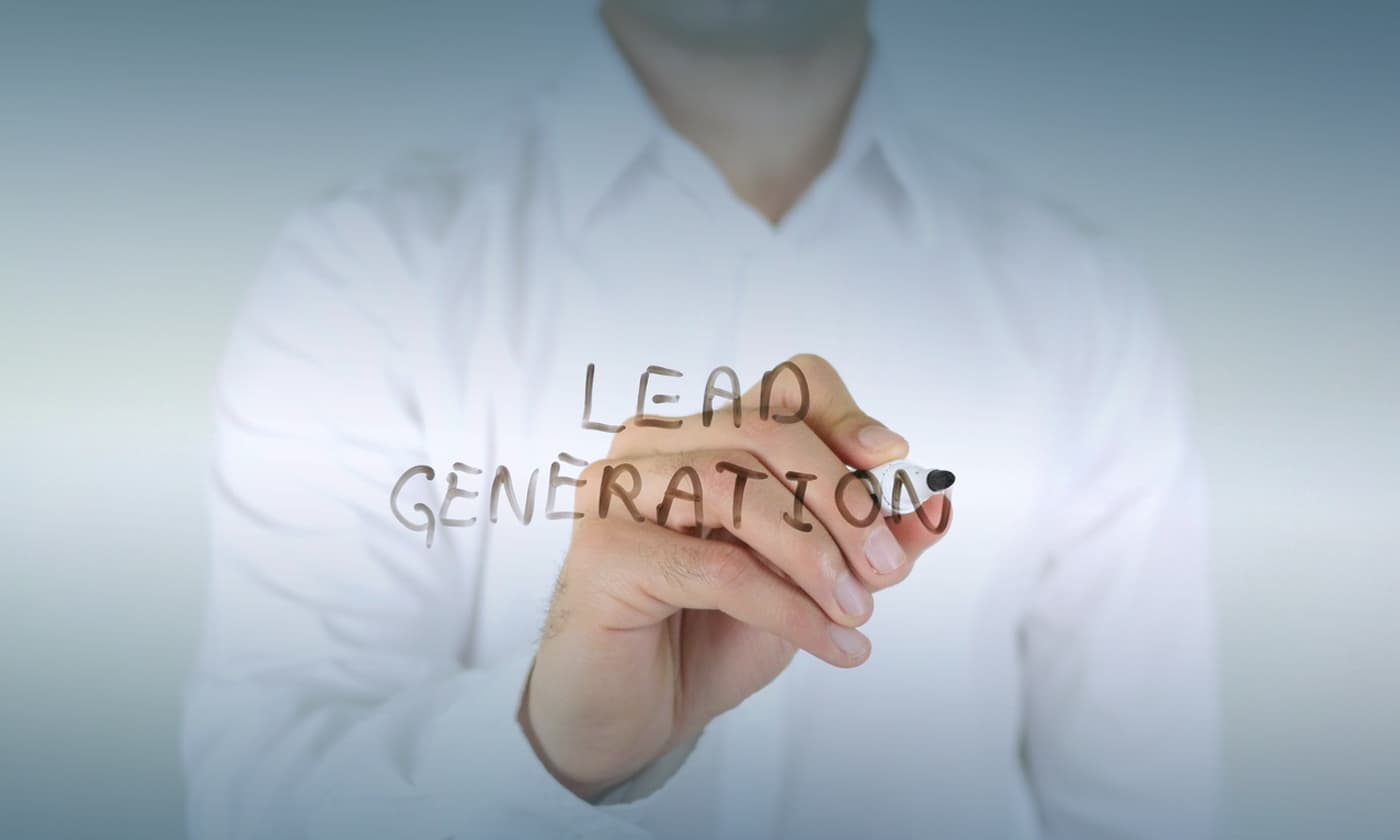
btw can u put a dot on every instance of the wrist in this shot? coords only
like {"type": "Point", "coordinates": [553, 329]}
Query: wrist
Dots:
{"type": "Point", "coordinates": [587, 787]}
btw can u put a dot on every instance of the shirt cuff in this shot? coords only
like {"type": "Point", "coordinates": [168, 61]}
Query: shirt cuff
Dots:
{"type": "Point", "coordinates": [649, 779]}
{"type": "Point", "coordinates": [451, 760]}
{"type": "Point", "coordinates": [482, 754]}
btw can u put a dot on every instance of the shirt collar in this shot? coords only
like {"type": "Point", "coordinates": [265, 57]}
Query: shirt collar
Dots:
{"type": "Point", "coordinates": [602, 121]}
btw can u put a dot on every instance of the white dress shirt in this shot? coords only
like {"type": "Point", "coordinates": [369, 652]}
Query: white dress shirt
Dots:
{"type": "Point", "coordinates": [1045, 671]}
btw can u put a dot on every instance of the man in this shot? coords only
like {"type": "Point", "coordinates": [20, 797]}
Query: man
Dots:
{"type": "Point", "coordinates": [711, 185]}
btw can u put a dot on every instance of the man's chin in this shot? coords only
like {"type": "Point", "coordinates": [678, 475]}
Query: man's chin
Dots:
{"type": "Point", "coordinates": [746, 28]}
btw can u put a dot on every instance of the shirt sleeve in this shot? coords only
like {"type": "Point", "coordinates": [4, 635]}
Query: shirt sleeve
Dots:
{"type": "Point", "coordinates": [332, 697]}
{"type": "Point", "coordinates": [1118, 640]}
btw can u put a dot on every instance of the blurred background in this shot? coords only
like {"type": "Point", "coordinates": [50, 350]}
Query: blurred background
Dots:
{"type": "Point", "coordinates": [1247, 152]}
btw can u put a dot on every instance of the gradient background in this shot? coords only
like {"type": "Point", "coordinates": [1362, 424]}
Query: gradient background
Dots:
{"type": "Point", "coordinates": [1247, 152]}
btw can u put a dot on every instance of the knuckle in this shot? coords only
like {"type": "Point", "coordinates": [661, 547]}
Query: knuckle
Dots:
{"type": "Point", "coordinates": [786, 394]}
{"type": "Point", "coordinates": [824, 561]}
{"type": "Point", "coordinates": [593, 473]}
{"type": "Point", "coordinates": [813, 365]}
{"type": "Point", "coordinates": [587, 494]}
{"type": "Point", "coordinates": [713, 483]}
{"type": "Point", "coordinates": [726, 565]}
{"type": "Point", "coordinates": [625, 440]}
{"type": "Point", "coordinates": [678, 565]}
{"type": "Point", "coordinates": [799, 548]}
{"type": "Point", "coordinates": [720, 481]}
{"type": "Point", "coordinates": [828, 390]}
{"type": "Point", "coordinates": [669, 463]}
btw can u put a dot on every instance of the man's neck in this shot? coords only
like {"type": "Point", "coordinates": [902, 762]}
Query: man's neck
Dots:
{"type": "Point", "coordinates": [770, 123]}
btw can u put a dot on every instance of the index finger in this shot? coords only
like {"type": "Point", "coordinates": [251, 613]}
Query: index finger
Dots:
{"type": "Point", "coordinates": [808, 388]}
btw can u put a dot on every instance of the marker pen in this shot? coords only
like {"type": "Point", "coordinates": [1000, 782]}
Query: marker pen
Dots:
{"type": "Point", "coordinates": [927, 483]}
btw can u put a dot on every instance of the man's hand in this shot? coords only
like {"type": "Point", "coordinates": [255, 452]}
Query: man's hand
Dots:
{"type": "Point", "coordinates": [655, 630]}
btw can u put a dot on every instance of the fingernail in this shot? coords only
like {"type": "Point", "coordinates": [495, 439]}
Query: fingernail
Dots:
{"type": "Point", "coordinates": [883, 551]}
{"type": "Point", "coordinates": [852, 642]}
{"type": "Point", "coordinates": [852, 596]}
{"type": "Point", "coordinates": [877, 438]}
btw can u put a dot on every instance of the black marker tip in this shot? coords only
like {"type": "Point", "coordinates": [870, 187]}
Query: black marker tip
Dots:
{"type": "Point", "coordinates": [940, 480]}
